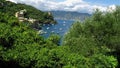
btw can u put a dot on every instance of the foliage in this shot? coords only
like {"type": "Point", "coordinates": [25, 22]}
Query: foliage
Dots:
{"type": "Point", "coordinates": [98, 34]}
{"type": "Point", "coordinates": [12, 8]}
{"type": "Point", "coordinates": [22, 47]}
{"type": "Point", "coordinates": [18, 41]}
{"type": "Point", "coordinates": [86, 45]}
{"type": "Point", "coordinates": [54, 39]}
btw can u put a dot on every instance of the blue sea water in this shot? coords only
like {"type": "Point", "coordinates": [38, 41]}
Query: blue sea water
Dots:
{"type": "Point", "coordinates": [61, 28]}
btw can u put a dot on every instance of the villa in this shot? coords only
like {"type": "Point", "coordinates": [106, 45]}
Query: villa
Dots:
{"type": "Point", "coordinates": [21, 18]}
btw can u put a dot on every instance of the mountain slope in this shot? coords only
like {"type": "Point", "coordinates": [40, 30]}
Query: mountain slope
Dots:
{"type": "Point", "coordinates": [12, 8]}
{"type": "Point", "coordinates": [68, 15]}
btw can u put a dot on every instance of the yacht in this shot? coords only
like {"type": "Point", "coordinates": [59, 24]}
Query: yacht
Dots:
{"type": "Point", "coordinates": [60, 28]}
{"type": "Point", "coordinates": [64, 22]}
{"type": "Point", "coordinates": [52, 31]}
{"type": "Point", "coordinates": [48, 28]}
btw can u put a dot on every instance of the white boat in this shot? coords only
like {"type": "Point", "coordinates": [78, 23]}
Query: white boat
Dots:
{"type": "Point", "coordinates": [60, 28]}
{"type": "Point", "coordinates": [48, 28]}
{"type": "Point", "coordinates": [40, 31]}
{"type": "Point", "coordinates": [52, 31]}
{"type": "Point", "coordinates": [64, 24]}
{"type": "Point", "coordinates": [43, 24]}
{"type": "Point", "coordinates": [52, 24]}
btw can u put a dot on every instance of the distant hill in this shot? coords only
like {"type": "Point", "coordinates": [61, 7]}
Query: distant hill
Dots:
{"type": "Point", "coordinates": [11, 8]}
{"type": "Point", "coordinates": [68, 15]}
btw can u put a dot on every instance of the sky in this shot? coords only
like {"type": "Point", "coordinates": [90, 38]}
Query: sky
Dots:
{"type": "Point", "coordinates": [83, 6]}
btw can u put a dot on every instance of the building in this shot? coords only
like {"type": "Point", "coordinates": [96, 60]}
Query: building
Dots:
{"type": "Point", "coordinates": [21, 18]}
{"type": "Point", "coordinates": [20, 15]}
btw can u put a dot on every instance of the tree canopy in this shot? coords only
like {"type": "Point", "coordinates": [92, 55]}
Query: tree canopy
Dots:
{"type": "Point", "coordinates": [11, 8]}
{"type": "Point", "coordinates": [97, 34]}
{"type": "Point", "coordinates": [87, 45]}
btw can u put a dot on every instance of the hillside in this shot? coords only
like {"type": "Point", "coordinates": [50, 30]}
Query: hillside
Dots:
{"type": "Point", "coordinates": [92, 44]}
{"type": "Point", "coordinates": [95, 43]}
{"type": "Point", "coordinates": [68, 15]}
{"type": "Point", "coordinates": [11, 8]}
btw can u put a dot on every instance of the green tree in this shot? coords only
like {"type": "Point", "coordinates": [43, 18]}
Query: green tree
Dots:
{"type": "Point", "coordinates": [98, 34]}
{"type": "Point", "coordinates": [86, 45]}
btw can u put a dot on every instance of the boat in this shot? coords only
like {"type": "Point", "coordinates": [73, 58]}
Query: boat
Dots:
{"type": "Point", "coordinates": [48, 28]}
{"type": "Point", "coordinates": [42, 32]}
{"type": "Point", "coordinates": [52, 31]}
{"type": "Point", "coordinates": [43, 24]}
{"type": "Point", "coordinates": [57, 32]}
{"type": "Point", "coordinates": [52, 24]}
{"type": "Point", "coordinates": [64, 24]}
{"type": "Point", "coordinates": [60, 29]}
